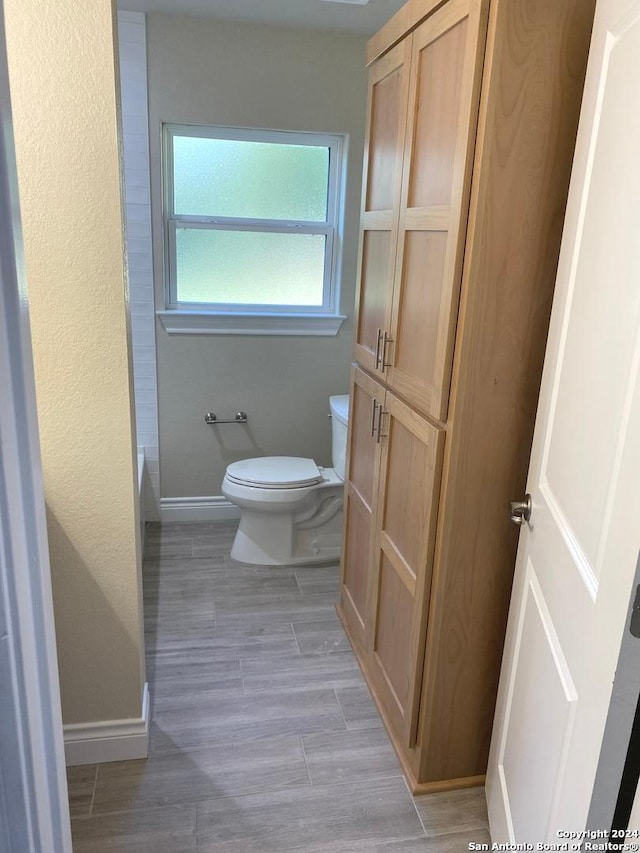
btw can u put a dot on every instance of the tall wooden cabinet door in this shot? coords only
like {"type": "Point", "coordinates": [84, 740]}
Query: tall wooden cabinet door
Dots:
{"type": "Point", "coordinates": [381, 190]}
{"type": "Point", "coordinates": [363, 466]}
{"type": "Point", "coordinates": [448, 52]}
{"type": "Point", "coordinates": [403, 559]}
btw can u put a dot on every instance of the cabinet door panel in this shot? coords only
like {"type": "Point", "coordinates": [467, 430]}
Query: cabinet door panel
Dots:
{"type": "Point", "coordinates": [363, 467]}
{"type": "Point", "coordinates": [375, 283]}
{"type": "Point", "coordinates": [382, 186]}
{"type": "Point", "coordinates": [416, 350]}
{"type": "Point", "coordinates": [440, 66]}
{"type": "Point", "coordinates": [406, 511]}
{"type": "Point", "coordinates": [385, 125]}
{"type": "Point", "coordinates": [444, 96]}
{"type": "Point", "coordinates": [403, 557]}
{"type": "Point", "coordinates": [356, 570]}
{"type": "Point", "coordinates": [393, 633]}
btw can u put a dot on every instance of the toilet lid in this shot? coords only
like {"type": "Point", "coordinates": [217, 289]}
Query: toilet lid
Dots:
{"type": "Point", "coordinates": [275, 472]}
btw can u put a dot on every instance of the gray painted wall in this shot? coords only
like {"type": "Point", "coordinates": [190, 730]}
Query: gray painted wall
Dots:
{"type": "Point", "coordinates": [213, 72]}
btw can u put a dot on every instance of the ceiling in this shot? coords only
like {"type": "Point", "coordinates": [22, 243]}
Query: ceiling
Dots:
{"type": "Point", "coordinates": [301, 14]}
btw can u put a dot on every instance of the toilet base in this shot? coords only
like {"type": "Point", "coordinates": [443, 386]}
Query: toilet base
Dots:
{"type": "Point", "coordinates": [272, 540]}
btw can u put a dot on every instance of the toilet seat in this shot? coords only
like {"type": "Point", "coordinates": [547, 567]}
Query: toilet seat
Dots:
{"type": "Point", "coordinates": [275, 472]}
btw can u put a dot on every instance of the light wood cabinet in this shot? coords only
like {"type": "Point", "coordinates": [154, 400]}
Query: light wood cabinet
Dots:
{"type": "Point", "coordinates": [402, 559]}
{"type": "Point", "coordinates": [446, 66]}
{"type": "Point", "coordinates": [381, 183]}
{"type": "Point", "coordinates": [390, 514]}
{"type": "Point", "coordinates": [361, 492]}
{"type": "Point", "coordinates": [416, 187]}
{"type": "Point", "coordinates": [472, 116]}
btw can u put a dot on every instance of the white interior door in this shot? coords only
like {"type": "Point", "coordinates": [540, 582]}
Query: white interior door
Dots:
{"type": "Point", "coordinates": [34, 811]}
{"type": "Point", "coordinates": [577, 555]}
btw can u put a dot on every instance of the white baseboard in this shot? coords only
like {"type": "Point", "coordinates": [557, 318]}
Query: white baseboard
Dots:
{"type": "Point", "coordinates": [109, 740]}
{"type": "Point", "coordinates": [198, 509]}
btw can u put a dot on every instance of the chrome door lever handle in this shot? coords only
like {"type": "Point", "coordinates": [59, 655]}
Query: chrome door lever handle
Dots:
{"type": "Point", "coordinates": [521, 511]}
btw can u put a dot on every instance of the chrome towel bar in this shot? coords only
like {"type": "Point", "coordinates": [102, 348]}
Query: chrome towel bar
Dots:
{"type": "Point", "coordinates": [240, 418]}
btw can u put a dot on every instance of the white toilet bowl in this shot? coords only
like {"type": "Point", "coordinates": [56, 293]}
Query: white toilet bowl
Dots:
{"type": "Point", "coordinates": [291, 509]}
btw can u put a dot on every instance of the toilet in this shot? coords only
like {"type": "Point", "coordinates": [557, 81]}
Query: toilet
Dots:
{"type": "Point", "coordinates": [291, 508]}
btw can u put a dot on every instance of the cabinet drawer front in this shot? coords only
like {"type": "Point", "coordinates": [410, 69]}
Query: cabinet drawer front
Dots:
{"type": "Point", "coordinates": [382, 185]}
{"type": "Point", "coordinates": [363, 467]}
{"type": "Point", "coordinates": [443, 103]}
{"type": "Point", "coordinates": [403, 558]}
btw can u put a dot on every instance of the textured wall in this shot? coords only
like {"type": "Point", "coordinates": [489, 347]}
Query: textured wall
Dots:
{"type": "Point", "coordinates": [213, 72]}
{"type": "Point", "coordinates": [63, 79]}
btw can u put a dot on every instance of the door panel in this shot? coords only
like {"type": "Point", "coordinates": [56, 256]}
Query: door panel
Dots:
{"type": "Point", "coordinates": [612, 316]}
{"type": "Point", "coordinates": [363, 465]}
{"type": "Point", "coordinates": [405, 508]}
{"type": "Point", "coordinates": [403, 556]}
{"type": "Point", "coordinates": [534, 731]}
{"type": "Point", "coordinates": [416, 348]}
{"type": "Point", "coordinates": [375, 284]}
{"type": "Point", "coordinates": [577, 556]}
{"type": "Point", "coordinates": [382, 183]}
{"type": "Point", "coordinates": [385, 126]}
{"type": "Point", "coordinates": [444, 96]}
{"type": "Point", "coordinates": [393, 633]}
{"type": "Point", "coordinates": [356, 564]}
{"type": "Point", "coordinates": [362, 473]}
{"type": "Point", "coordinates": [436, 126]}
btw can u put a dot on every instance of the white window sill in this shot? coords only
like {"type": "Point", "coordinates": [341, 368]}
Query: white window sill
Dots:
{"type": "Point", "coordinates": [180, 322]}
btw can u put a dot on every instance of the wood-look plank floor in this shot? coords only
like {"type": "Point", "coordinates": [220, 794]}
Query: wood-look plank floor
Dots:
{"type": "Point", "coordinates": [264, 737]}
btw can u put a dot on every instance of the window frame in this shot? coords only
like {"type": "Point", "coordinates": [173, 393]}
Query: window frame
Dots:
{"type": "Point", "coordinates": [185, 317]}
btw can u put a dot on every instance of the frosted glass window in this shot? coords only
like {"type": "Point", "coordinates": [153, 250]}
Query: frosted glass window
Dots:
{"type": "Point", "coordinates": [254, 180]}
{"type": "Point", "coordinates": [249, 268]}
{"type": "Point", "coordinates": [251, 220]}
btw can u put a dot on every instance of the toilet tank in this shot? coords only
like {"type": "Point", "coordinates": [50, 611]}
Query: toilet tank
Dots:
{"type": "Point", "coordinates": [339, 405]}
